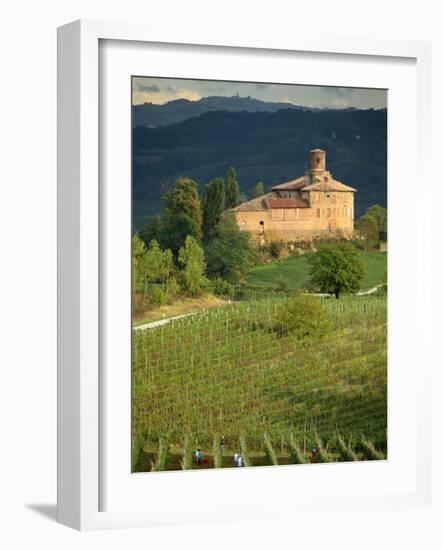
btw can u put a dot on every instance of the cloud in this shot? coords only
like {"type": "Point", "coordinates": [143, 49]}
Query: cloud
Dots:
{"type": "Point", "coordinates": [335, 92]}
{"type": "Point", "coordinates": [161, 96]}
{"type": "Point", "coordinates": [145, 88]}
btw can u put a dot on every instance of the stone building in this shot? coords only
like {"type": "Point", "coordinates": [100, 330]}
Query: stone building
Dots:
{"type": "Point", "coordinates": [309, 207]}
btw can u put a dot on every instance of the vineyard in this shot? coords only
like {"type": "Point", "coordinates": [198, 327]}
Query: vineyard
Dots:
{"type": "Point", "coordinates": [273, 394]}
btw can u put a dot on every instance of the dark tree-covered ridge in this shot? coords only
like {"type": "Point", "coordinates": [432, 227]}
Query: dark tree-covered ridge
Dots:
{"type": "Point", "coordinates": [262, 146]}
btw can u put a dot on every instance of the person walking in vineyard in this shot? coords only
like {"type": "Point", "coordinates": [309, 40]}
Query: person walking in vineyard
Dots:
{"type": "Point", "coordinates": [235, 458]}
{"type": "Point", "coordinates": [314, 454]}
{"type": "Point", "coordinates": [240, 461]}
{"type": "Point", "coordinates": [222, 445]}
{"type": "Point", "coordinates": [199, 457]}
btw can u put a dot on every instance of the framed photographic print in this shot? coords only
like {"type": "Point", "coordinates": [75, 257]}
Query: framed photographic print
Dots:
{"type": "Point", "coordinates": [235, 227]}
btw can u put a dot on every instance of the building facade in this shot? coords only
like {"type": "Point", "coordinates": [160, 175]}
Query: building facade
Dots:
{"type": "Point", "coordinates": [310, 207]}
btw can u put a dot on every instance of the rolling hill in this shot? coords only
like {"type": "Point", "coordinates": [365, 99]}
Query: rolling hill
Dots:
{"type": "Point", "coordinates": [178, 110]}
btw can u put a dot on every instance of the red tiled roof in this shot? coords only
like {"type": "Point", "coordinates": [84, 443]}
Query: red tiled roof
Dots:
{"type": "Point", "coordinates": [329, 184]}
{"type": "Point", "coordinates": [292, 185]}
{"type": "Point", "coordinates": [286, 203]}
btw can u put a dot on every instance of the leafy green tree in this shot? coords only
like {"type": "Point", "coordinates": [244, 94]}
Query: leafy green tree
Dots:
{"type": "Point", "coordinates": [175, 230]}
{"type": "Point", "coordinates": [368, 229]}
{"type": "Point", "coordinates": [157, 264]}
{"type": "Point", "coordinates": [153, 229]}
{"type": "Point", "coordinates": [184, 200]}
{"type": "Point", "coordinates": [379, 215]}
{"type": "Point", "coordinates": [258, 190]}
{"type": "Point", "coordinates": [232, 189]}
{"type": "Point", "coordinates": [213, 206]}
{"type": "Point", "coordinates": [303, 315]}
{"type": "Point", "coordinates": [151, 267]}
{"type": "Point", "coordinates": [191, 259]}
{"type": "Point", "coordinates": [336, 269]}
{"type": "Point", "coordinates": [138, 254]}
{"type": "Point", "coordinates": [229, 254]}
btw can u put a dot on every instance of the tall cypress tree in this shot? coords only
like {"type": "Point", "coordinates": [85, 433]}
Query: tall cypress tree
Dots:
{"type": "Point", "coordinates": [213, 206]}
{"type": "Point", "coordinates": [258, 190]}
{"type": "Point", "coordinates": [232, 189]}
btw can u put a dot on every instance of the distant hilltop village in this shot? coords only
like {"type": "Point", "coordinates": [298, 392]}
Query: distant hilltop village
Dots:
{"type": "Point", "coordinates": [309, 207]}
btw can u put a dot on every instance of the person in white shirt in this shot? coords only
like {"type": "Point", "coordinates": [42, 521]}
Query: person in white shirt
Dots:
{"type": "Point", "coordinates": [240, 461]}
{"type": "Point", "coordinates": [235, 458]}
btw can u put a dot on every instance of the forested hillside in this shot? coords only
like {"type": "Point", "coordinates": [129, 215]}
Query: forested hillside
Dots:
{"type": "Point", "coordinates": [262, 146]}
{"type": "Point", "coordinates": [178, 110]}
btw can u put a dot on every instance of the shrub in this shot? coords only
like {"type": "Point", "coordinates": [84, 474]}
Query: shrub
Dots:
{"type": "Point", "coordinates": [172, 289]}
{"type": "Point", "coordinates": [304, 315]}
{"type": "Point", "coordinates": [221, 287]}
{"type": "Point", "coordinates": [275, 249]}
{"type": "Point", "coordinates": [157, 295]}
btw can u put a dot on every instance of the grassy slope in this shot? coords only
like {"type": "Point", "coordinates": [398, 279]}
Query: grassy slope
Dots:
{"type": "Point", "coordinates": [294, 271]}
{"type": "Point", "coordinates": [225, 371]}
{"type": "Point", "coordinates": [183, 306]}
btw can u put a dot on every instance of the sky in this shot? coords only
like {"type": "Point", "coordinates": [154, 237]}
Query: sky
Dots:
{"type": "Point", "coordinates": [162, 90]}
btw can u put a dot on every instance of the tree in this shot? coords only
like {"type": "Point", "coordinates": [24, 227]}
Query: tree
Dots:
{"type": "Point", "coordinates": [368, 229]}
{"type": "Point", "coordinates": [153, 229]}
{"type": "Point", "coordinates": [258, 190]}
{"type": "Point", "coordinates": [175, 230]}
{"type": "Point", "coordinates": [213, 206]}
{"type": "Point", "coordinates": [138, 253]}
{"type": "Point", "coordinates": [183, 199]}
{"type": "Point", "coordinates": [157, 264]}
{"type": "Point", "coordinates": [379, 215]}
{"type": "Point", "coordinates": [336, 269]}
{"type": "Point", "coordinates": [191, 259]}
{"type": "Point", "coordinates": [150, 266]}
{"type": "Point", "coordinates": [229, 254]}
{"type": "Point", "coordinates": [232, 189]}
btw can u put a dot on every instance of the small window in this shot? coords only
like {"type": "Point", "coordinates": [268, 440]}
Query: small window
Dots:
{"type": "Point", "coordinates": [261, 223]}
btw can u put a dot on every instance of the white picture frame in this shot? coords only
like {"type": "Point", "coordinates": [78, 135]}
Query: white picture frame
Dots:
{"type": "Point", "coordinates": [80, 438]}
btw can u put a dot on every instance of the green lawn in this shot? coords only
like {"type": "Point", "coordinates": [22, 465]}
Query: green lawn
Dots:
{"type": "Point", "coordinates": [294, 272]}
